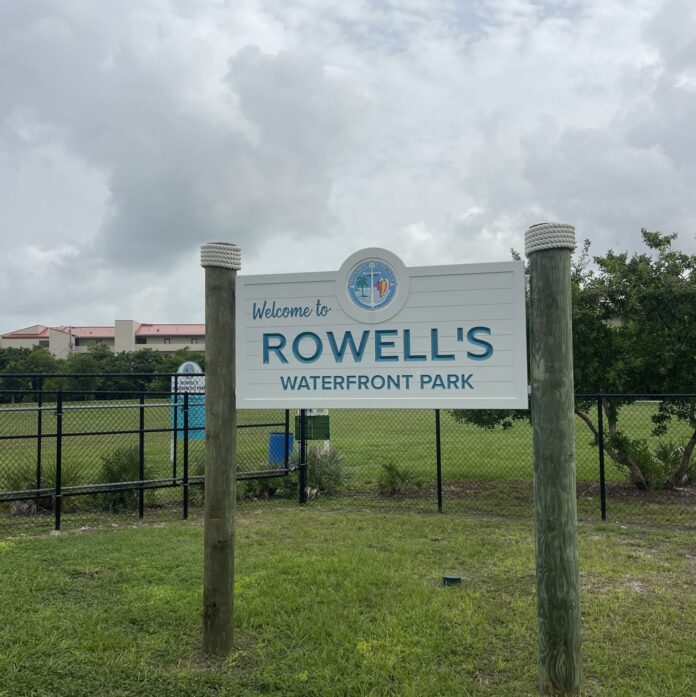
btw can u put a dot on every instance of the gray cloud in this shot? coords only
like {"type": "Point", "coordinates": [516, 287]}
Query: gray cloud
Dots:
{"type": "Point", "coordinates": [131, 132]}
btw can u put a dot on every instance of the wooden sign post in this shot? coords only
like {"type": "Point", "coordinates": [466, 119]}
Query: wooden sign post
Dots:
{"type": "Point", "coordinates": [548, 247]}
{"type": "Point", "coordinates": [221, 262]}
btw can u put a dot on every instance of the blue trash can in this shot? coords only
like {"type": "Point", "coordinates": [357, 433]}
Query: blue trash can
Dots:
{"type": "Point", "coordinates": [276, 449]}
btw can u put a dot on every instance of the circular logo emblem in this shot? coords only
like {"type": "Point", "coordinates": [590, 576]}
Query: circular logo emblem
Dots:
{"type": "Point", "coordinates": [189, 368]}
{"type": "Point", "coordinates": [372, 284]}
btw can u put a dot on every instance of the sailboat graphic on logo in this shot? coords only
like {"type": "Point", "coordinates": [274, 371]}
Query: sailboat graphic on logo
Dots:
{"type": "Point", "coordinates": [372, 284]}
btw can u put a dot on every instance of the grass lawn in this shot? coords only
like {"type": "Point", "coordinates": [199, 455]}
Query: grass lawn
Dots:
{"type": "Point", "coordinates": [339, 603]}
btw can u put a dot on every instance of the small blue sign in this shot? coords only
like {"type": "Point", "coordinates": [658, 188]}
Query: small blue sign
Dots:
{"type": "Point", "coordinates": [188, 380]}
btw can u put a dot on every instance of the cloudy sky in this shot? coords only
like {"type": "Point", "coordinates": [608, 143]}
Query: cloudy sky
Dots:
{"type": "Point", "coordinates": [303, 130]}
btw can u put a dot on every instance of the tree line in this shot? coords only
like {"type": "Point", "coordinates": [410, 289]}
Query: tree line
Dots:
{"type": "Point", "coordinates": [86, 374]}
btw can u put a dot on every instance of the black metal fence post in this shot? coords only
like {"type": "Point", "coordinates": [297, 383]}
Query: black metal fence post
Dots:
{"type": "Point", "coordinates": [175, 425]}
{"type": "Point", "coordinates": [600, 439]}
{"type": "Point", "coordinates": [185, 482]}
{"type": "Point", "coordinates": [286, 460]}
{"type": "Point", "coordinates": [141, 452]}
{"type": "Point", "coordinates": [38, 386]}
{"type": "Point", "coordinates": [438, 456]}
{"type": "Point", "coordinates": [57, 497]}
{"type": "Point", "coordinates": [303, 457]}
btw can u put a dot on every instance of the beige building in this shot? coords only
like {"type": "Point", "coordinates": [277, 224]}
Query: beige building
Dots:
{"type": "Point", "coordinates": [124, 335]}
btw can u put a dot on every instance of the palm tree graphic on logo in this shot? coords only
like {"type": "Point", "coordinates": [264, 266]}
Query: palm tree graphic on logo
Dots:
{"type": "Point", "coordinates": [361, 282]}
{"type": "Point", "coordinates": [372, 285]}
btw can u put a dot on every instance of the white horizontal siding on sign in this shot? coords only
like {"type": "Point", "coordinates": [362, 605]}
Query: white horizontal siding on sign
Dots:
{"type": "Point", "coordinates": [323, 351]}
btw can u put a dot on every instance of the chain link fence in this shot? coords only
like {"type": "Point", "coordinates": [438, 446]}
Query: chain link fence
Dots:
{"type": "Point", "coordinates": [81, 458]}
{"type": "Point", "coordinates": [78, 458]}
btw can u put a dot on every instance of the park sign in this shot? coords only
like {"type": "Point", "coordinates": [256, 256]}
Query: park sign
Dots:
{"type": "Point", "coordinates": [379, 334]}
{"type": "Point", "coordinates": [189, 380]}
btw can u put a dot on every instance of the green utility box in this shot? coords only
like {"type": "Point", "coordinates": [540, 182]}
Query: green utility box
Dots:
{"type": "Point", "coordinates": [316, 427]}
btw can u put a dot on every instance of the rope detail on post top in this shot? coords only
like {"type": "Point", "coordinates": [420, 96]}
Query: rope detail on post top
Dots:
{"type": "Point", "coordinates": [221, 254]}
{"type": "Point", "coordinates": [549, 236]}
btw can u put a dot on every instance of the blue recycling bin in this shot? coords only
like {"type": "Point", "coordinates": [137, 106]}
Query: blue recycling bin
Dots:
{"type": "Point", "coordinates": [276, 448]}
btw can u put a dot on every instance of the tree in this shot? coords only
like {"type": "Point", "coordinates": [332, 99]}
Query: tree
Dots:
{"type": "Point", "coordinates": [652, 300]}
{"type": "Point", "coordinates": [10, 355]}
{"type": "Point", "coordinates": [142, 364]}
{"type": "Point", "coordinates": [84, 383]}
{"type": "Point", "coordinates": [634, 331]}
{"type": "Point", "coordinates": [35, 361]}
{"type": "Point", "coordinates": [170, 363]}
{"type": "Point", "coordinates": [122, 372]}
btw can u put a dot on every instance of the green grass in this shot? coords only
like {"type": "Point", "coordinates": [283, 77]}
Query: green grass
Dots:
{"type": "Point", "coordinates": [335, 603]}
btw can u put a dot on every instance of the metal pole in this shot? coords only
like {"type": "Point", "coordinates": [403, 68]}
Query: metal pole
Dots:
{"type": "Point", "coordinates": [59, 459]}
{"type": "Point", "coordinates": [39, 429]}
{"type": "Point", "coordinates": [141, 452]}
{"type": "Point", "coordinates": [438, 457]}
{"type": "Point", "coordinates": [175, 434]}
{"type": "Point", "coordinates": [548, 247]}
{"type": "Point", "coordinates": [303, 457]}
{"type": "Point", "coordinates": [602, 480]}
{"type": "Point", "coordinates": [286, 460]}
{"type": "Point", "coordinates": [186, 456]}
{"type": "Point", "coordinates": [221, 262]}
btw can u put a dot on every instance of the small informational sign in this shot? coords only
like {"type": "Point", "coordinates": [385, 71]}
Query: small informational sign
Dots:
{"type": "Point", "coordinates": [189, 380]}
{"type": "Point", "coordinates": [378, 334]}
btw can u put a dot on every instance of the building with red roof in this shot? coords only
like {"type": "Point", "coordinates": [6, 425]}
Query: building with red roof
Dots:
{"type": "Point", "coordinates": [123, 335]}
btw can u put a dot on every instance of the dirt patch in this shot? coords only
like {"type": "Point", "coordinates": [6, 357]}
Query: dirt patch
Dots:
{"type": "Point", "coordinates": [626, 492]}
{"type": "Point", "coordinates": [522, 490]}
{"type": "Point", "coordinates": [88, 574]}
{"type": "Point", "coordinates": [597, 584]}
{"type": "Point", "coordinates": [635, 586]}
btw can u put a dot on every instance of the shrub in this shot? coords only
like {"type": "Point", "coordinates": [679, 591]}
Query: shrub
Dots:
{"type": "Point", "coordinates": [659, 465]}
{"type": "Point", "coordinates": [122, 464]}
{"type": "Point", "coordinates": [247, 489]}
{"type": "Point", "coordinates": [639, 451]}
{"type": "Point", "coordinates": [326, 473]}
{"type": "Point", "coordinates": [667, 460]}
{"type": "Point", "coordinates": [394, 480]}
{"type": "Point", "coordinates": [23, 478]}
{"type": "Point", "coordinates": [326, 470]}
{"type": "Point", "coordinates": [196, 469]}
{"type": "Point", "coordinates": [250, 489]}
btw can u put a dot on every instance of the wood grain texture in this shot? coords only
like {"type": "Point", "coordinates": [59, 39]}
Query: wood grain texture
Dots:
{"type": "Point", "coordinates": [220, 462]}
{"type": "Point", "coordinates": [553, 425]}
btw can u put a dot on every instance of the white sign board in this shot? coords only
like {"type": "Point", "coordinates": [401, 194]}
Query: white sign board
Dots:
{"type": "Point", "coordinates": [189, 378]}
{"type": "Point", "coordinates": [378, 334]}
